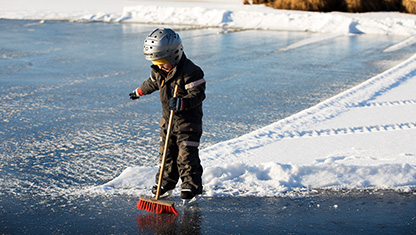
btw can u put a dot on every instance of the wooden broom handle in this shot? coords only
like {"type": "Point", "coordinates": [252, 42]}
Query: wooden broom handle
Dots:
{"type": "Point", "coordinates": [165, 149]}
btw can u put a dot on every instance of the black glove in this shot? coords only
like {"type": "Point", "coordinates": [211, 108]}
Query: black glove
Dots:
{"type": "Point", "coordinates": [176, 104]}
{"type": "Point", "coordinates": [134, 94]}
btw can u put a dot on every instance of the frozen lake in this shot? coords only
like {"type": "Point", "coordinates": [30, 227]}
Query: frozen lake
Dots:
{"type": "Point", "coordinates": [67, 124]}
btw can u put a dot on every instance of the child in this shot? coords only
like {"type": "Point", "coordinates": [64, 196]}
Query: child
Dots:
{"type": "Point", "coordinates": [170, 66]}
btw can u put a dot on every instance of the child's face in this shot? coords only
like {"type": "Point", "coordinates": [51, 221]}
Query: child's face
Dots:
{"type": "Point", "coordinates": [165, 67]}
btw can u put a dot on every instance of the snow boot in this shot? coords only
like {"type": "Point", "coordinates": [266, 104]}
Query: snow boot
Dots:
{"type": "Point", "coordinates": [189, 197]}
{"type": "Point", "coordinates": [187, 194]}
{"type": "Point", "coordinates": [163, 192]}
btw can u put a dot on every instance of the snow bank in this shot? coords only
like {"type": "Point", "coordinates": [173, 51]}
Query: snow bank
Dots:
{"type": "Point", "coordinates": [231, 13]}
{"type": "Point", "coordinates": [273, 179]}
{"type": "Point", "coordinates": [260, 17]}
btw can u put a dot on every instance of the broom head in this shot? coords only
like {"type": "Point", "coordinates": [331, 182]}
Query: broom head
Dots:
{"type": "Point", "coordinates": [156, 206]}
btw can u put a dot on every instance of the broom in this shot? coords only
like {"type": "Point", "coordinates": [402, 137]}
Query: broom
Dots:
{"type": "Point", "coordinates": [154, 204]}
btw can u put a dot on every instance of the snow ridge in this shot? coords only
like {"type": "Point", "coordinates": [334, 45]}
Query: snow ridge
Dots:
{"type": "Point", "coordinates": [384, 103]}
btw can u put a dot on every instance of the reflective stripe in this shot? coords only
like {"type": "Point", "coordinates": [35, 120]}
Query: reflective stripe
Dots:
{"type": "Point", "coordinates": [191, 143]}
{"type": "Point", "coordinates": [194, 84]}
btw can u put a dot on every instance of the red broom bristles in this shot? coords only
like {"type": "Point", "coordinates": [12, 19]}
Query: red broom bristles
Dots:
{"type": "Point", "coordinates": [161, 209]}
{"type": "Point", "coordinates": [154, 207]}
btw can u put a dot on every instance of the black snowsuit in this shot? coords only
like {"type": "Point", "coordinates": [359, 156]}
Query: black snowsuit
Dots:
{"type": "Point", "coordinates": [182, 159]}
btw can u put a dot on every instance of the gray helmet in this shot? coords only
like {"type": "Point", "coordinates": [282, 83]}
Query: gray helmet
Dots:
{"type": "Point", "coordinates": [163, 43]}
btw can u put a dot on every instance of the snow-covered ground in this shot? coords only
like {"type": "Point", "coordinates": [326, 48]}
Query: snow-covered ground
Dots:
{"type": "Point", "coordinates": [363, 137]}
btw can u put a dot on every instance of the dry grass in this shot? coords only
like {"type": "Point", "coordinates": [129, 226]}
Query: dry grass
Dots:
{"type": "Point", "coordinates": [373, 5]}
{"type": "Point", "coordinates": [409, 6]}
{"type": "Point", "coordinates": [393, 5]}
{"type": "Point", "coordinates": [363, 5]}
{"type": "Point", "coordinates": [340, 5]}
{"type": "Point", "coordinates": [306, 5]}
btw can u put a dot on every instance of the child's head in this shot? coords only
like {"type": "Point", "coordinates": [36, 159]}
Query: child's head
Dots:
{"type": "Point", "coordinates": [163, 46]}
